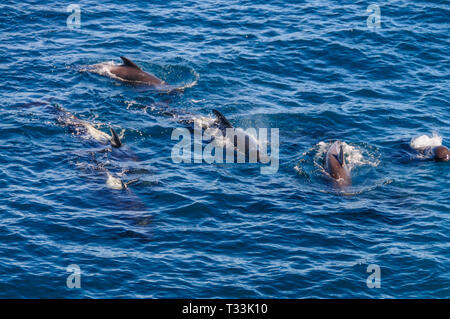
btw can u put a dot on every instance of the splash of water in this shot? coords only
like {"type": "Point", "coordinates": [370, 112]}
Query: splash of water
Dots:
{"type": "Point", "coordinates": [425, 141]}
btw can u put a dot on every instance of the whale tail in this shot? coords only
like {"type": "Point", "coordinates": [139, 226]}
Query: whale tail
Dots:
{"type": "Point", "coordinates": [222, 120]}
{"type": "Point", "coordinates": [115, 140]}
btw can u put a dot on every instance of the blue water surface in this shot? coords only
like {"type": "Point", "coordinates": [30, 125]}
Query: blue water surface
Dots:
{"type": "Point", "coordinates": [312, 69]}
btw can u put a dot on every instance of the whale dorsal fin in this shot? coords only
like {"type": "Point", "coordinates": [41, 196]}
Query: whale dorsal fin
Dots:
{"type": "Point", "coordinates": [115, 140]}
{"type": "Point", "coordinates": [341, 156]}
{"type": "Point", "coordinates": [222, 119]}
{"type": "Point", "coordinates": [129, 63]}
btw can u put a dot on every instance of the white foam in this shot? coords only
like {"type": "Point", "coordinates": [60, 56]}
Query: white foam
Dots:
{"type": "Point", "coordinates": [204, 121]}
{"type": "Point", "coordinates": [191, 84]}
{"type": "Point", "coordinates": [323, 148]}
{"type": "Point", "coordinates": [130, 103]}
{"type": "Point", "coordinates": [425, 141]}
{"type": "Point", "coordinates": [354, 155]}
{"type": "Point", "coordinates": [95, 133]}
{"type": "Point", "coordinates": [103, 68]}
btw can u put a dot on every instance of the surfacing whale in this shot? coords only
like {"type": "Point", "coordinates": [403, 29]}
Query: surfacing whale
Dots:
{"type": "Point", "coordinates": [251, 143]}
{"type": "Point", "coordinates": [335, 165]}
{"type": "Point", "coordinates": [430, 147]}
{"type": "Point", "coordinates": [86, 129]}
{"type": "Point", "coordinates": [441, 154]}
{"type": "Point", "coordinates": [130, 72]}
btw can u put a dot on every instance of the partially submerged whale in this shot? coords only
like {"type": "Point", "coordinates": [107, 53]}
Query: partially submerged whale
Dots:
{"type": "Point", "coordinates": [116, 183]}
{"type": "Point", "coordinates": [130, 72]}
{"type": "Point", "coordinates": [441, 154]}
{"type": "Point", "coordinates": [222, 131]}
{"type": "Point", "coordinates": [430, 147]}
{"type": "Point", "coordinates": [335, 165]}
{"type": "Point", "coordinates": [251, 145]}
{"type": "Point", "coordinates": [88, 132]}
{"type": "Point", "coordinates": [112, 181]}
{"type": "Point", "coordinates": [86, 129]}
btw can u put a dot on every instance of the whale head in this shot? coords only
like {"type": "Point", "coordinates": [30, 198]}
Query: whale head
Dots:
{"type": "Point", "coordinates": [441, 154]}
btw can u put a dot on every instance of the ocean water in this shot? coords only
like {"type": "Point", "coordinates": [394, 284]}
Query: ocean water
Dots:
{"type": "Point", "coordinates": [316, 70]}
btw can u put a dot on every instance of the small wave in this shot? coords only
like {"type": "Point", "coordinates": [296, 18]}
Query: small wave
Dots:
{"type": "Point", "coordinates": [179, 77]}
{"type": "Point", "coordinates": [358, 190]}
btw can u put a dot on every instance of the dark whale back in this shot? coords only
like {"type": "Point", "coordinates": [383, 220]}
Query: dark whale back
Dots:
{"type": "Point", "coordinates": [130, 72]}
{"type": "Point", "coordinates": [115, 140]}
{"type": "Point", "coordinates": [335, 165]}
{"type": "Point", "coordinates": [222, 120]}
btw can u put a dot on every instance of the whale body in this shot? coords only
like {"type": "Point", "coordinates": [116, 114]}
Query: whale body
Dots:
{"type": "Point", "coordinates": [86, 129]}
{"type": "Point", "coordinates": [431, 147]}
{"type": "Point", "coordinates": [251, 144]}
{"type": "Point", "coordinates": [130, 72]}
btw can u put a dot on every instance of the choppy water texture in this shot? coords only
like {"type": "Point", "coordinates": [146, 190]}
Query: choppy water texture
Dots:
{"type": "Point", "coordinates": [312, 69]}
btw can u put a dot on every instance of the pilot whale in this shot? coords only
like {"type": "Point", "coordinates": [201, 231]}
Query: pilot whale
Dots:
{"type": "Point", "coordinates": [80, 127]}
{"type": "Point", "coordinates": [76, 125]}
{"type": "Point", "coordinates": [251, 144]}
{"type": "Point", "coordinates": [430, 147]}
{"type": "Point", "coordinates": [112, 181]}
{"type": "Point", "coordinates": [335, 165]}
{"type": "Point", "coordinates": [441, 154]}
{"type": "Point", "coordinates": [88, 131]}
{"type": "Point", "coordinates": [130, 72]}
